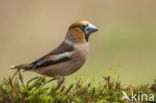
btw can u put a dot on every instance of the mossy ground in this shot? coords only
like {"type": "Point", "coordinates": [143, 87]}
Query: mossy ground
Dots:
{"type": "Point", "coordinates": [36, 90]}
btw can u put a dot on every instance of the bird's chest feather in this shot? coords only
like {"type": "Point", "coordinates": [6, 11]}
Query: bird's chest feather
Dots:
{"type": "Point", "coordinates": [81, 52]}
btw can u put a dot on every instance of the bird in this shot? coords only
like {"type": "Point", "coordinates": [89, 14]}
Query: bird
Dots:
{"type": "Point", "coordinates": [68, 57]}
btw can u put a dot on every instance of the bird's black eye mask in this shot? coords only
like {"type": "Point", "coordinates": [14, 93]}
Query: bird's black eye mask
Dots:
{"type": "Point", "coordinates": [82, 27]}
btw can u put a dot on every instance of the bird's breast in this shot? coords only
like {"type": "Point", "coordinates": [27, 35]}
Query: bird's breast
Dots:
{"type": "Point", "coordinates": [81, 50]}
{"type": "Point", "coordinates": [79, 57]}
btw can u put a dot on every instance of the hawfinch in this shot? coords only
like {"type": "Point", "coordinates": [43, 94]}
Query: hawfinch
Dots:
{"type": "Point", "coordinates": [68, 57]}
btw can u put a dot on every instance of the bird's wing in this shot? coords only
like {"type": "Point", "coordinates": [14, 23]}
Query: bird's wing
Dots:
{"type": "Point", "coordinates": [53, 59]}
{"type": "Point", "coordinates": [61, 54]}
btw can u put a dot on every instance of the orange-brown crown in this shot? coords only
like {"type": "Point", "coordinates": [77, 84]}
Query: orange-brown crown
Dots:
{"type": "Point", "coordinates": [76, 32]}
{"type": "Point", "coordinates": [76, 24]}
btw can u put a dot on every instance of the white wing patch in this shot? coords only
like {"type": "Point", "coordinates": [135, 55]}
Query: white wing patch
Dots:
{"type": "Point", "coordinates": [63, 55]}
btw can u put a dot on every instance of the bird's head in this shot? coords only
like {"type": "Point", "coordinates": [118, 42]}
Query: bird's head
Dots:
{"type": "Point", "coordinates": [80, 31]}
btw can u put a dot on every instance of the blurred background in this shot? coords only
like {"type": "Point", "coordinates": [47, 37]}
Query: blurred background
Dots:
{"type": "Point", "coordinates": [124, 44]}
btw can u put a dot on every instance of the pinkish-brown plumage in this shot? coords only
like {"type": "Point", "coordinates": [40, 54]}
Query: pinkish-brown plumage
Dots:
{"type": "Point", "coordinates": [69, 56]}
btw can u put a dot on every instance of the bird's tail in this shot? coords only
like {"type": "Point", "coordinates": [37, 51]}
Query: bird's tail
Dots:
{"type": "Point", "coordinates": [22, 66]}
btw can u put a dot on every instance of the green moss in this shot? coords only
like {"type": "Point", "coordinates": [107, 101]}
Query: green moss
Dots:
{"type": "Point", "coordinates": [14, 90]}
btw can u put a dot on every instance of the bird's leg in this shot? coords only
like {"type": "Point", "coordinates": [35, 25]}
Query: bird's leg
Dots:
{"type": "Point", "coordinates": [60, 80]}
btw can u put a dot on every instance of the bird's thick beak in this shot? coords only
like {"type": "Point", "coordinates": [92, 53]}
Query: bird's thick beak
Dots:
{"type": "Point", "coordinates": [90, 29]}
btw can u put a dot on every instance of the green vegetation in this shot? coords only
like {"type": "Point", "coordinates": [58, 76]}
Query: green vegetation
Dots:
{"type": "Point", "coordinates": [36, 90]}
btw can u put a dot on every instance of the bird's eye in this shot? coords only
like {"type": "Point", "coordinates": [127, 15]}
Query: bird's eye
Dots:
{"type": "Point", "coordinates": [82, 27]}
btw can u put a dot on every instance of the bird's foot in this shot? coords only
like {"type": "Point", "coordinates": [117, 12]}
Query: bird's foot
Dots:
{"type": "Point", "coordinates": [60, 81]}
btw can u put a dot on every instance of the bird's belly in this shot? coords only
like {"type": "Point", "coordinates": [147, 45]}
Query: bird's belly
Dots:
{"type": "Point", "coordinates": [63, 69]}
{"type": "Point", "coordinates": [73, 67]}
